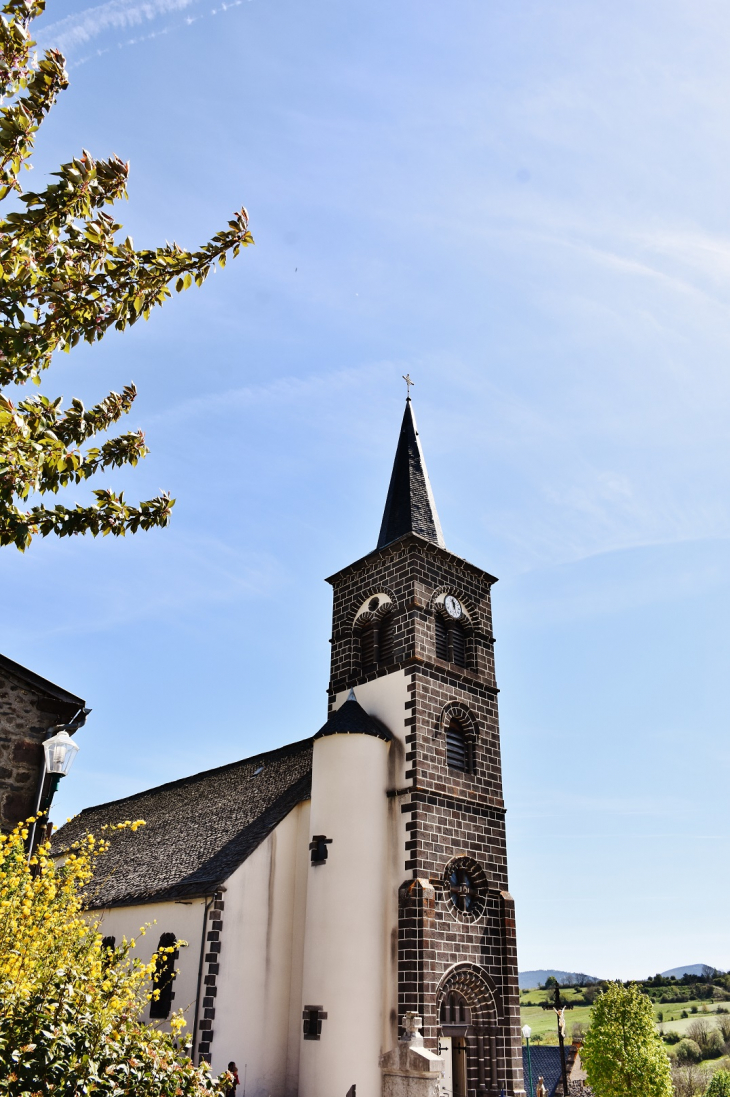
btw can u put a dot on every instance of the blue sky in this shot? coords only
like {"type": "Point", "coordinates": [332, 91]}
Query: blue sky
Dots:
{"type": "Point", "coordinates": [524, 205]}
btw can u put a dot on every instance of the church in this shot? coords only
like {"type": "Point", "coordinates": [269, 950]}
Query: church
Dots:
{"type": "Point", "coordinates": [343, 899]}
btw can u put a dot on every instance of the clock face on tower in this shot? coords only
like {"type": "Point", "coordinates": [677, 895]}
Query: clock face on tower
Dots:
{"type": "Point", "coordinates": [452, 606]}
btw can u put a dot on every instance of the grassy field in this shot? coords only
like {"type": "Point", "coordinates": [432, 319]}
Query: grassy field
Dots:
{"type": "Point", "coordinates": [673, 1020]}
{"type": "Point", "coordinates": [543, 1022]}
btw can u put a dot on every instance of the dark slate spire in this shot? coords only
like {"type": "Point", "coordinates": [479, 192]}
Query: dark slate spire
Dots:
{"type": "Point", "coordinates": [409, 507]}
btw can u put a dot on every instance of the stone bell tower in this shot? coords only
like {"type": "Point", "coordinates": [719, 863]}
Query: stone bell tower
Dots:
{"type": "Point", "coordinates": [412, 635]}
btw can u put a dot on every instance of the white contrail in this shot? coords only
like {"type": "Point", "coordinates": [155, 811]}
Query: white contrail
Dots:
{"type": "Point", "coordinates": [77, 30]}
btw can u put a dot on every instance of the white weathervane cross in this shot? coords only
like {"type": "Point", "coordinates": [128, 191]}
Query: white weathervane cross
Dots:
{"type": "Point", "coordinates": [407, 379]}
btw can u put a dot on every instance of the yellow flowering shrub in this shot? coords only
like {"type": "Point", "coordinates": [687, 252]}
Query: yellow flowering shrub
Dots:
{"type": "Point", "coordinates": [69, 1008]}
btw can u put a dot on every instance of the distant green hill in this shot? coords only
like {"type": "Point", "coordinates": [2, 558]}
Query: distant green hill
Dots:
{"type": "Point", "coordinates": [530, 979]}
{"type": "Point", "coordinates": [689, 969]}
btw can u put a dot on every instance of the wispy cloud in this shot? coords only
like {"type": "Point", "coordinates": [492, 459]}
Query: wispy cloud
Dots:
{"type": "Point", "coordinates": [117, 15]}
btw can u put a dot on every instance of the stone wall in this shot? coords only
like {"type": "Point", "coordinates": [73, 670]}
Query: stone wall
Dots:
{"type": "Point", "coordinates": [29, 706]}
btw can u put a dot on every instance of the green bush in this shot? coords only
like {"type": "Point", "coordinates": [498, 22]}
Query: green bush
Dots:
{"type": "Point", "coordinates": [688, 1051]}
{"type": "Point", "coordinates": [720, 1084]}
{"type": "Point", "coordinates": [715, 1046]}
{"type": "Point", "coordinates": [671, 1037]}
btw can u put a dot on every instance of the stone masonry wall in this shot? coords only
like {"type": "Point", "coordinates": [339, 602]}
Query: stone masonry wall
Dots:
{"type": "Point", "coordinates": [26, 714]}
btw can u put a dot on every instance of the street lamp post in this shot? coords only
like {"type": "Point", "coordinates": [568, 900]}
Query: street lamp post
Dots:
{"type": "Point", "coordinates": [559, 1006]}
{"type": "Point", "coordinates": [59, 752]}
{"type": "Point", "coordinates": [527, 1033]}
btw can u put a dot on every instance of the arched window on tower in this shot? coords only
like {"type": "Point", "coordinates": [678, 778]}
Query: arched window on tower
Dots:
{"type": "Point", "coordinates": [167, 954]}
{"type": "Point", "coordinates": [459, 747]}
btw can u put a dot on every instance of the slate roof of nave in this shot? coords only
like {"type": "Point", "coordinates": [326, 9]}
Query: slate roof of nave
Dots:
{"type": "Point", "coordinates": [198, 830]}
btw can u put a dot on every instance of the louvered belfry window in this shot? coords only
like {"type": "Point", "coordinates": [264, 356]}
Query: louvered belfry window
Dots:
{"type": "Point", "coordinates": [442, 639]}
{"type": "Point", "coordinates": [387, 640]}
{"type": "Point", "coordinates": [164, 974]}
{"type": "Point", "coordinates": [457, 750]}
{"type": "Point", "coordinates": [458, 645]}
{"type": "Point", "coordinates": [450, 641]}
{"type": "Point", "coordinates": [367, 646]}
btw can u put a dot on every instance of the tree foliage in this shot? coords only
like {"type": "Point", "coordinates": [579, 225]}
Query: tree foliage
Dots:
{"type": "Point", "coordinates": [688, 1051]}
{"type": "Point", "coordinates": [66, 276]}
{"type": "Point", "coordinates": [622, 1053]}
{"type": "Point", "coordinates": [70, 1008]}
{"type": "Point", "coordinates": [689, 1079]}
{"type": "Point", "coordinates": [719, 1085]}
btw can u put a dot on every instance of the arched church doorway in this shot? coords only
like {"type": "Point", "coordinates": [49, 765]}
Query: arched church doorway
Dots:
{"type": "Point", "coordinates": [467, 1033]}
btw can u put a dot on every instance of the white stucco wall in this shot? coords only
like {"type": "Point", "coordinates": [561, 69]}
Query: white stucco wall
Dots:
{"type": "Point", "coordinates": [185, 919]}
{"type": "Point", "coordinates": [347, 920]}
{"type": "Point", "coordinates": [258, 1004]}
{"type": "Point", "coordinates": [386, 698]}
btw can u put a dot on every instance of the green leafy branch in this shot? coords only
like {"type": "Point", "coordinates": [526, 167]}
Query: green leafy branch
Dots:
{"type": "Point", "coordinates": [65, 277]}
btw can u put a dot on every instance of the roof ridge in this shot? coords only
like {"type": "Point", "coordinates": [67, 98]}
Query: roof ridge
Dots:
{"type": "Point", "coordinates": [289, 748]}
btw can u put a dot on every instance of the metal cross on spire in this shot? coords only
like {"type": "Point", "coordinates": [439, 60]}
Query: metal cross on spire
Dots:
{"type": "Point", "coordinates": [407, 379]}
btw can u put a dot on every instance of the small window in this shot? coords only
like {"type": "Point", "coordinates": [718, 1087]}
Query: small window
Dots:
{"type": "Point", "coordinates": [457, 751]}
{"type": "Point", "coordinates": [454, 1009]}
{"type": "Point", "coordinates": [164, 974]}
{"type": "Point", "coordinates": [442, 639]}
{"type": "Point", "coordinates": [466, 890]}
{"type": "Point", "coordinates": [312, 1017]}
{"type": "Point", "coordinates": [318, 847]}
{"type": "Point", "coordinates": [108, 945]}
{"type": "Point", "coordinates": [462, 888]}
